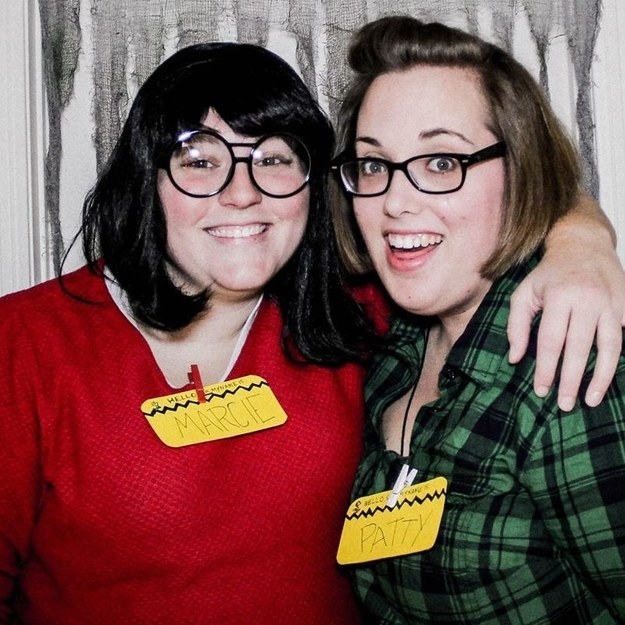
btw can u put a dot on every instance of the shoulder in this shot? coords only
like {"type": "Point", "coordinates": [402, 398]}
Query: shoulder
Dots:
{"type": "Point", "coordinates": [82, 281]}
{"type": "Point", "coordinates": [50, 303]}
{"type": "Point", "coordinates": [546, 428]}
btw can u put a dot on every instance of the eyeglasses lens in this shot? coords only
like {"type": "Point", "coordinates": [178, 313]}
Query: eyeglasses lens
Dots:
{"type": "Point", "coordinates": [280, 165]}
{"type": "Point", "coordinates": [200, 164]}
{"type": "Point", "coordinates": [436, 174]}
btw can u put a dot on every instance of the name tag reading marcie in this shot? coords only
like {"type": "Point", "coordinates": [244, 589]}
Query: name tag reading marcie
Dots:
{"type": "Point", "coordinates": [374, 530]}
{"type": "Point", "coordinates": [232, 408]}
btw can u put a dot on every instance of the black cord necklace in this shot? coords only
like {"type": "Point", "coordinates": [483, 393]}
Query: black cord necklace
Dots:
{"type": "Point", "coordinates": [406, 474]}
{"type": "Point", "coordinates": [404, 425]}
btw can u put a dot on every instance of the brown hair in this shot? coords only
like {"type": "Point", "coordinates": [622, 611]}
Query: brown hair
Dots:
{"type": "Point", "coordinates": [541, 163]}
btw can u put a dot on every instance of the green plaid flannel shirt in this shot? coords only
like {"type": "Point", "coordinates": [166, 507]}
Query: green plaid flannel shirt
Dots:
{"type": "Point", "coordinates": [533, 530]}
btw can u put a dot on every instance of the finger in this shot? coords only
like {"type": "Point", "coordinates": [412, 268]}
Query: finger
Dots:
{"type": "Point", "coordinates": [522, 312]}
{"type": "Point", "coordinates": [579, 341]}
{"type": "Point", "coordinates": [609, 346]}
{"type": "Point", "coordinates": [550, 342]}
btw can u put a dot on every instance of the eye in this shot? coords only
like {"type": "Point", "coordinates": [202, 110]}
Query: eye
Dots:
{"type": "Point", "coordinates": [276, 151]}
{"type": "Point", "coordinates": [441, 164]}
{"type": "Point", "coordinates": [198, 164]}
{"type": "Point", "coordinates": [273, 160]}
{"type": "Point", "coordinates": [194, 158]}
{"type": "Point", "coordinates": [371, 168]}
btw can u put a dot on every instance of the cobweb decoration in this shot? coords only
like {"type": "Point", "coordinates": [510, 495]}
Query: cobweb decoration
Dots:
{"type": "Point", "coordinates": [131, 37]}
{"type": "Point", "coordinates": [61, 45]}
{"type": "Point", "coordinates": [581, 19]}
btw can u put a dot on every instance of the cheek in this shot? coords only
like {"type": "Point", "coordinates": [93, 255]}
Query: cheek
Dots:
{"type": "Point", "coordinates": [295, 214]}
{"type": "Point", "coordinates": [300, 210]}
{"type": "Point", "coordinates": [492, 220]}
{"type": "Point", "coordinates": [179, 209]}
{"type": "Point", "coordinates": [482, 212]}
{"type": "Point", "coordinates": [366, 219]}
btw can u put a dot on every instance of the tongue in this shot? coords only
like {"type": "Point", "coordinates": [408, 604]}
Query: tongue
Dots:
{"type": "Point", "coordinates": [413, 252]}
{"type": "Point", "coordinates": [414, 248]}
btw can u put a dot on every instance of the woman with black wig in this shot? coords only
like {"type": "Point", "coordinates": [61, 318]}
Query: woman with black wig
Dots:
{"type": "Point", "coordinates": [181, 418]}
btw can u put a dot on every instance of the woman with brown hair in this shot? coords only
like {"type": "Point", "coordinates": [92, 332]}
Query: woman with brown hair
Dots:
{"type": "Point", "coordinates": [456, 168]}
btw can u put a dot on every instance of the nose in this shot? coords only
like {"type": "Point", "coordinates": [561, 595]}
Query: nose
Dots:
{"type": "Point", "coordinates": [240, 192]}
{"type": "Point", "coordinates": [401, 196]}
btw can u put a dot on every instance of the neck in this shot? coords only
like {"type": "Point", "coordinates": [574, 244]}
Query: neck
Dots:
{"type": "Point", "coordinates": [223, 321]}
{"type": "Point", "coordinates": [210, 342]}
{"type": "Point", "coordinates": [443, 336]}
{"type": "Point", "coordinates": [454, 322]}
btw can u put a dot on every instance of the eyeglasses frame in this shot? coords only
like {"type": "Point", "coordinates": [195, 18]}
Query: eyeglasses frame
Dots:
{"type": "Point", "coordinates": [187, 134]}
{"type": "Point", "coordinates": [495, 150]}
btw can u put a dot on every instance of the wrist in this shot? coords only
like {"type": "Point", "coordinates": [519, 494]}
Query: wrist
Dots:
{"type": "Point", "coordinates": [586, 224]}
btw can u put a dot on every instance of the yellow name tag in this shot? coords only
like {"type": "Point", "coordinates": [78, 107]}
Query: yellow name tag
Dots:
{"type": "Point", "coordinates": [230, 408]}
{"type": "Point", "coordinates": [372, 530]}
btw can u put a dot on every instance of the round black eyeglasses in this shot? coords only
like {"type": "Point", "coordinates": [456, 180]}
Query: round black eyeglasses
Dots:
{"type": "Point", "coordinates": [202, 162]}
{"type": "Point", "coordinates": [429, 173]}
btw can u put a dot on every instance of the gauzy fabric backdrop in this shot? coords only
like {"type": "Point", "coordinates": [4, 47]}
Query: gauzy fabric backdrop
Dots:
{"type": "Point", "coordinates": [130, 37]}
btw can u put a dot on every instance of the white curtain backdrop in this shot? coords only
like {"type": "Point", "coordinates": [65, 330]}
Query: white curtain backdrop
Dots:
{"type": "Point", "coordinates": [86, 62]}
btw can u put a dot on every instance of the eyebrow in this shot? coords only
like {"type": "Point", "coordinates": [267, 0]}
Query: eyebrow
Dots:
{"type": "Point", "coordinates": [426, 134]}
{"type": "Point", "coordinates": [368, 140]}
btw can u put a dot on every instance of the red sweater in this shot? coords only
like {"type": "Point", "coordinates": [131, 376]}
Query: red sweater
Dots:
{"type": "Point", "coordinates": [101, 523]}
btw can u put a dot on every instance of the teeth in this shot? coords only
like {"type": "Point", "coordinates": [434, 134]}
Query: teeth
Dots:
{"type": "Point", "coordinates": [237, 232]}
{"type": "Point", "coordinates": [411, 241]}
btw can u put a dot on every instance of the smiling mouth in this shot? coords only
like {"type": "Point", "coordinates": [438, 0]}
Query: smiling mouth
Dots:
{"type": "Point", "coordinates": [237, 232]}
{"type": "Point", "coordinates": [413, 241]}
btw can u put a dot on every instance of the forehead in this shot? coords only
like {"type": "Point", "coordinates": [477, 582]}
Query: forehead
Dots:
{"type": "Point", "coordinates": [422, 99]}
{"type": "Point", "coordinates": [214, 121]}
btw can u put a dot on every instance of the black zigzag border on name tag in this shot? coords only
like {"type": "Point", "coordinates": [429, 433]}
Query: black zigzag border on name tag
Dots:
{"type": "Point", "coordinates": [417, 500]}
{"type": "Point", "coordinates": [178, 404]}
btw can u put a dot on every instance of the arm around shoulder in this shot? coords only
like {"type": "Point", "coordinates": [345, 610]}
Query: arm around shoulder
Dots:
{"type": "Point", "coordinates": [580, 288]}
